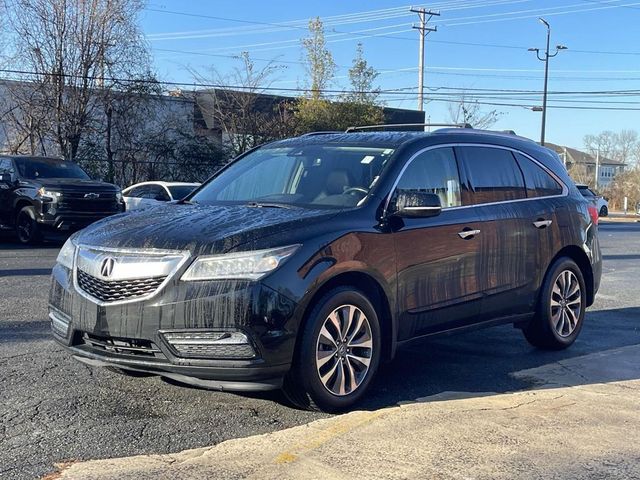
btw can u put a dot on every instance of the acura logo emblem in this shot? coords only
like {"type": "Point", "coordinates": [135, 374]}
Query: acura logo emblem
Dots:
{"type": "Point", "coordinates": [91, 195]}
{"type": "Point", "coordinates": [106, 269]}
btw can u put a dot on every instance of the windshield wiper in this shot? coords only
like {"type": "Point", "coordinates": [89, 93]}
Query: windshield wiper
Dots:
{"type": "Point", "coordinates": [268, 205]}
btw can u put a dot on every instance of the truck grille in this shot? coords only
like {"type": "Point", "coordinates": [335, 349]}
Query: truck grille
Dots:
{"type": "Point", "coordinates": [113, 291]}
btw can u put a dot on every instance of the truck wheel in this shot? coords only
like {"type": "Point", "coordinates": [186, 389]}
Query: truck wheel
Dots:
{"type": "Point", "coordinates": [338, 354]}
{"type": "Point", "coordinates": [561, 307]}
{"type": "Point", "coordinates": [27, 228]}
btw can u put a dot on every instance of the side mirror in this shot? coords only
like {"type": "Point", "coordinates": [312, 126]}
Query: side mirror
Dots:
{"type": "Point", "coordinates": [415, 203]}
{"type": "Point", "coordinates": [6, 179]}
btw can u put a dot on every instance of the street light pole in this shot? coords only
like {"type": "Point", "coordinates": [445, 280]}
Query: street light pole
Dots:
{"type": "Point", "coordinates": [546, 58]}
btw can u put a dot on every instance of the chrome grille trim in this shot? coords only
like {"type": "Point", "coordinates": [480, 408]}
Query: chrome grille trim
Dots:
{"type": "Point", "coordinates": [118, 289]}
{"type": "Point", "coordinates": [137, 274]}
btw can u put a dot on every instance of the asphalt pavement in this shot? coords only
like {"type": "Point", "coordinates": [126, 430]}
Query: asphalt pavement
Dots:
{"type": "Point", "coordinates": [54, 409]}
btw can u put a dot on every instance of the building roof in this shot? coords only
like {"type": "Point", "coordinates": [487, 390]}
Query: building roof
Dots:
{"type": "Point", "coordinates": [578, 156]}
{"type": "Point", "coordinates": [266, 103]}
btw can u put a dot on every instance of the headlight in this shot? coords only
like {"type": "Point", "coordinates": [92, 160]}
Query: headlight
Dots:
{"type": "Point", "coordinates": [119, 196]}
{"type": "Point", "coordinates": [67, 252]}
{"type": "Point", "coordinates": [251, 265]}
{"type": "Point", "coordinates": [48, 194]}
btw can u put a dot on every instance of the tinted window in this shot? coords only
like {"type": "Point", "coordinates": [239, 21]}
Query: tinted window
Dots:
{"type": "Point", "coordinates": [34, 168]}
{"type": "Point", "coordinates": [539, 183]}
{"type": "Point", "coordinates": [180, 191]}
{"type": "Point", "coordinates": [155, 192]}
{"type": "Point", "coordinates": [493, 175]}
{"type": "Point", "coordinates": [136, 192]}
{"type": "Point", "coordinates": [5, 165]}
{"type": "Point", "coordinates": [434, 171]}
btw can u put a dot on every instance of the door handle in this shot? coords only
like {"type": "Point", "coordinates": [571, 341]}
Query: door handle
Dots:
{"type": "Point", "coordinates": [542, 223]}
{"type": "Point", "coordinates": [468, 233]}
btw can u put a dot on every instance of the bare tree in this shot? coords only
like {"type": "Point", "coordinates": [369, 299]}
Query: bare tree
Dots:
{"type": "Point", "coordinates": [74, 51]}
{"type": "Point", "coordinates": [245, 116]}
{"type": "Point", "coordinates": [466, 110]}
{"type": "Point", "coordinates": [623, 146]}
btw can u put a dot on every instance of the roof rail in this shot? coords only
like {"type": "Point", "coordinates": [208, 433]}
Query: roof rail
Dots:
{"type": "Point", "coordinates": [396, 125]}
{"type": "Point", "coordinates": [323, 132]}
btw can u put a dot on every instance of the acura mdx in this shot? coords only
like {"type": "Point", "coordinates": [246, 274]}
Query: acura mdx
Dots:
{"type": "Point", "coordinates": [307, 262]}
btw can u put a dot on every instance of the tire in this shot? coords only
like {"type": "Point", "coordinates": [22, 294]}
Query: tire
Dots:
{"type": "Point", "coordinates": [27, 229]}
{"type": "Point", "coordinates": [130, 373]}
{"type": "Point", "coordinates": [321, 352]}
{"type": "Point", "coordinates": [604, 211]}
{"type": "Point", "coordinates": [557, 325]}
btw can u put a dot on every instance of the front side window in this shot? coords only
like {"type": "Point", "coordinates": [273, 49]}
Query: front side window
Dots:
{"type": "Point", "coordinates": [538, 182]}
{"type": "Point", "coordinates": [178, 192]}
{"type": "Point", "coordinates": [35, 168]}
{"type": "Point", "coordinates": [493, 175]}
{"type": "Point", "coordinates": [319, 176]}
{"type": "Point", "coordinates": [434, 171]}
{"type": "Point", "coordinates": [5, 165]}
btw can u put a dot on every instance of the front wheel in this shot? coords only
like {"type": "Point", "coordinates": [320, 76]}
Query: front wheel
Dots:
{"type": "Point", "coordinates": [338, 354]}
{"type": "Point", "coordinates": [561, 307]}
{"type": "Point", "coordinates": [27, 228]}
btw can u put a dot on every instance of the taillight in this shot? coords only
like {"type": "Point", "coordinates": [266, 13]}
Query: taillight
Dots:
{"type": "Point", "coordinates": [593, 211]}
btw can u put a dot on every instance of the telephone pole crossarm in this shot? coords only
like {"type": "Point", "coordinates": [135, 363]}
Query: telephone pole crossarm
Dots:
{"type": "Point", "coordinates": [425, 16]}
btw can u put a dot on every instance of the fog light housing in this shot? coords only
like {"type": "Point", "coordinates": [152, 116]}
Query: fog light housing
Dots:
{"type": "Point", "coordinates": [210, 344]}
{"type": "Point", "coordinates": [59, 323]}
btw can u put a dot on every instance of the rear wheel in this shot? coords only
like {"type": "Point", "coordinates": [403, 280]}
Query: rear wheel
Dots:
{"type": "Point", "coordinates": [561, 307]}
{"type": "Point", "coordinates": [27, 228]}
{"type": "Point", "coordinates": [604, 211]}
{"type": "Point", "coordinates": [338, 355]}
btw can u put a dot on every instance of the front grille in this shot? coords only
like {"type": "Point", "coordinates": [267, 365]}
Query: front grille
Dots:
{"type": "Point", "coordinates": [122, 346]}
{"type": "Point", "coordinates": [88, 205]}
{"type": "Point", "coordinates": [113, 291]}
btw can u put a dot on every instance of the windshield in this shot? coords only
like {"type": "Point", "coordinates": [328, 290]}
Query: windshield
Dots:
{"type": "Point", "coordinates": [35, 168]}
{"type": "Point", "coordinates": [319, 176]}
{"type": "Point", "coordinates": [178, 192]}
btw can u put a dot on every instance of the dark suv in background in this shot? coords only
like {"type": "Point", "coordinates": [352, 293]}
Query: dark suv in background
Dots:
{"type": "Point", "coordinates": [306, 262]}
{"type": "Point", "coordinates": [40, 195]}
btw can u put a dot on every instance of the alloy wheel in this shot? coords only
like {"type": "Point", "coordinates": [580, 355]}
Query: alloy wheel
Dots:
{"type": "Point", "coordinates": [25, 228]}
{"type": "Point", "coordinates": [344, 350]}
{"type": "Point", "coordinates": [566, 303]}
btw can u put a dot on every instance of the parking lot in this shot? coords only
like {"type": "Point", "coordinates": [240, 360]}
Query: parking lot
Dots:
{"type": "Point", "coordinates": [54, 409]}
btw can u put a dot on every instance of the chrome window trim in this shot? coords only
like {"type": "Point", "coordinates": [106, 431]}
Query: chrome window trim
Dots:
{"type": "Point", "coordinates": [565, 189]}
{"type": "Point", "coordinates": [135, 251]}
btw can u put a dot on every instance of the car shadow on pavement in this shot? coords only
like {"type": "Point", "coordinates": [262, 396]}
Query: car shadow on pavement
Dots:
{"type": "Point", "coordinates": [485, 360]}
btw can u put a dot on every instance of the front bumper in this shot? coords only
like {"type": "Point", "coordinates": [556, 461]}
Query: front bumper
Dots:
{"type": "Point", "coordinates": [130, 335]}
{"type": "Point", "coordinates": [50, 217]}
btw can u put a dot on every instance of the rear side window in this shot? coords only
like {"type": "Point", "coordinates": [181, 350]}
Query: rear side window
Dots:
{"type": "Point", "coordinates": [493, 175]}
{"type": "Point", "coordinates": [434, 171]}
{"type": "Point", "coordinates": [539, 183]}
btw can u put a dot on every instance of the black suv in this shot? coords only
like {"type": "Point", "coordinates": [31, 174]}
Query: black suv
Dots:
{"type": "Point", "coordinates": [40, 195]}
{"type": "Point", "coordinates": [306, 262]}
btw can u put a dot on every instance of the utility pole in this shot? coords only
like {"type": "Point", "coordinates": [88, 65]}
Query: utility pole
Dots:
{"type": "Point", "coordinates": [597, 168]}
{"type": "Point", "coordinates": [546, 58]}
{"type": "Point", "coordinates": [424, 30]}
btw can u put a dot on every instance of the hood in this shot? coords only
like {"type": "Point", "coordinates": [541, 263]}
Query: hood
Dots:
{"type": "Point", "coordinates": [75, 185]}
{"type": "Point", "coordinates": [201, 229]}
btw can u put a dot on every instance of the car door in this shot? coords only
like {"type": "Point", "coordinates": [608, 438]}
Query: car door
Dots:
{"type": "Point", "coordinates": [133, 197]}
{"type": "Point", "coordinates": [439, 277]}
{"type": "Point", "coordinates": [495, 191]}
